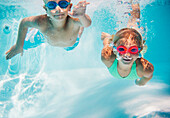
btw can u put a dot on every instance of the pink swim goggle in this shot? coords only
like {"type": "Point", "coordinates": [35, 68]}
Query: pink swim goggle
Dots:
{"type": "Point", "coordinates": [123, 49]}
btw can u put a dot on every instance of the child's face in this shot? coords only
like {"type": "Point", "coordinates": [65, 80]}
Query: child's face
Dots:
{"type": "Point", "coordinates": [58, 13]}
{"type": "Point", "coordinates": [128, 58]}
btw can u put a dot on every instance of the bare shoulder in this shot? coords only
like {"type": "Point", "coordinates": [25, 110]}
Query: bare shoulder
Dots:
{"type": "Point", "coordinates": [144, 66]}
{"type": "Point", "coordinates": [38, 18]}
{"type": "Point", "coordinates": [35, 21]}
{"type": "Point", "coordinates": [41, 19]}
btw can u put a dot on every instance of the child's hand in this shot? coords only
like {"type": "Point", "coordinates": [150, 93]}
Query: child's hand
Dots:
{"type": "Point", "coordinates": [14, 50]}
{"type": "Point", "coordinates": [104, 35]}
{"type": "Point", "coordinates": [107, 52]}
{"type": "Point", "coordinates": [79, 9]}
{"type": "Point", "coordinates": [139, 83]}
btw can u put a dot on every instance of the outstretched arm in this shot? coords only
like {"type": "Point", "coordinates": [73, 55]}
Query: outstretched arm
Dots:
{"type": "Point", "coordinates": [146, 70]}
{"type": "Point", "coordinates": [134, 18]}
{"type": "Point", "coordinates": [79, 12]}
{"type": "Point", "coordinates": [107, 55]}
{"type": "Point", "coordinates": [23, 27]}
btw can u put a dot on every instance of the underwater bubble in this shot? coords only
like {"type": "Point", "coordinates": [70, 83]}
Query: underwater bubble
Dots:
{"type": "Point", "coordinates": [120, 1]}
{"type": "Point", "coordinates": [119, 22]}
{"type": "Point", "coordinates": [127, 2]}
{"type": "Point", "coordinates": [6, 29]}
{"type": "Point", "coordinates": [116, 28]}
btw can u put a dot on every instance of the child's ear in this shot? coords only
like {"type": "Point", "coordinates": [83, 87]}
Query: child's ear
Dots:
{"type": "Point", "coordinates": [70, 6]}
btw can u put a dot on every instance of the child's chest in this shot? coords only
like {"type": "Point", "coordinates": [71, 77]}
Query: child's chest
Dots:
{"type": "Point", "coordinates": [123, 73]}
{"type": "Point", "coordinates": [61, 37]}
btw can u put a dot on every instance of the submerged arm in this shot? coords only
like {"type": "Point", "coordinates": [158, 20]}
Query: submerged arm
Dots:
{"type": "Point", "coordinates": [23, 27]}
{"type": "Point", "coordinates": [143, 80]}
{"type": "Point", "coordinates": [134, 18]}
{"type": "Point", "coordinates": [146, 71]}
{"type": "Point", "coordinates": [107, 55]}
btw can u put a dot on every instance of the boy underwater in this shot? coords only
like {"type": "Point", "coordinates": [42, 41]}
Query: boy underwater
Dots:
{"type": "Point", "coordinates": [122, 58]}
{"type": "Point", "coordinates": [59, 26]}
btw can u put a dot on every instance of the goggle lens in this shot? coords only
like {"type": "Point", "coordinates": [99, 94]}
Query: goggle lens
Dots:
{"type": "Point", "coordinates": [123, 49]}
{"type": "Point", "coordinates": [133, 50]}
{"type": "Point", "coordinates": [52, 4]}
{"type": "Point", "coordinates": [63, 4]}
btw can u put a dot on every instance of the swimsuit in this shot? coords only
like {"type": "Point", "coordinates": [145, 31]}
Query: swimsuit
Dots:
{"type": "Point", "coordinates": [132, 75]}
{"type": "Point", "coordinates": [35, 38]}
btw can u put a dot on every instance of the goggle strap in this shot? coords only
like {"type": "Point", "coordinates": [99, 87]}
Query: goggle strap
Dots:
{"type": "Point", "coordinates": [114, 47]}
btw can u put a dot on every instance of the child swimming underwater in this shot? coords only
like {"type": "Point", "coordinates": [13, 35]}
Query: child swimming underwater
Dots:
{"type": "Point", "coordinates": [59, 26]}
{"type": "Point", "coordinates": [122, 59]}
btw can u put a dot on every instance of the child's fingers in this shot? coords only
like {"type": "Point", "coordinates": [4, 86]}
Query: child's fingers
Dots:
{"type": "Point", "coordinates": [11, 54]}
{"type": "Point", "coordinates": [11, 49]}
{"type": "Point", "coordinates": [82, 3]}
{"type": "Point", "coordinates": [87, 3]}
{"type": "Point", "coordinates": [7, 52]}
{"type": "Point", "coordinates": [72, 14]}
{"type": "Point", "coordinates": [8, 56]}
{"type": "Point", "coordinates": [76, 6]}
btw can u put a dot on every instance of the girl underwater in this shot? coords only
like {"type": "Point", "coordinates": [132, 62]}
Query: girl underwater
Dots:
{"type": "Point", "coordinates": [122, 58]}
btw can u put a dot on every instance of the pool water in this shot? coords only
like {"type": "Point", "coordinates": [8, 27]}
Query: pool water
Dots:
{"type": "Point", "coordinates": [49, 82]}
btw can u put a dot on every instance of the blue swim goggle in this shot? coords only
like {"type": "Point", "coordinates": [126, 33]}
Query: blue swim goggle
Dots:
{"type": "Point", "coordinates": [52, 4]}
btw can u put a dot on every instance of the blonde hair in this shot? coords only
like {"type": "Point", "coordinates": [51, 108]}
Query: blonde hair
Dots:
{"type": "Point", "coordinates": [125, 33]}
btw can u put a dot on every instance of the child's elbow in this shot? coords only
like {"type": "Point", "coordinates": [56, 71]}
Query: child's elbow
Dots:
{"type": "Point", "coordinates": [23, 22]}
{"type": "Point", "coordinates": [87, 24]}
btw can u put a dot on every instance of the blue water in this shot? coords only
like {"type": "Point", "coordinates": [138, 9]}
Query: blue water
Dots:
{"type": "Point", "coordinates": [49, 82]}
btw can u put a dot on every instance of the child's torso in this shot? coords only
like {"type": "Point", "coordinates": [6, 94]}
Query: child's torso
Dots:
{"type": "Point", "coordinates": [64, 37]}
{"type": "Point", "coordinates": [130, 75]}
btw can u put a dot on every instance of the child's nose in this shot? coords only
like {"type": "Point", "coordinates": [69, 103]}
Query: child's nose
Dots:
{"type": "Point", "coordinates": [57, 9]}
{"type": "Point", "coordinates": [127, 54]}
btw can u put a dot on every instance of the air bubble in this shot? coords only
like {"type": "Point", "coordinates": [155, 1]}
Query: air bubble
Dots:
{"type": "Point", "coordinates": [6, 29]}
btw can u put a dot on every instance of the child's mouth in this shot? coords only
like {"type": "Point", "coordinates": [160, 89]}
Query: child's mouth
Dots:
{"type": "Point", "coordinates": [127, 59]}
{"type": "Point", "coordinates": [58, 15]}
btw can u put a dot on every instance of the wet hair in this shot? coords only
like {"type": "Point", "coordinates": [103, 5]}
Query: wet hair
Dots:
{"type": "Point", "coordinates": [125, 33]}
